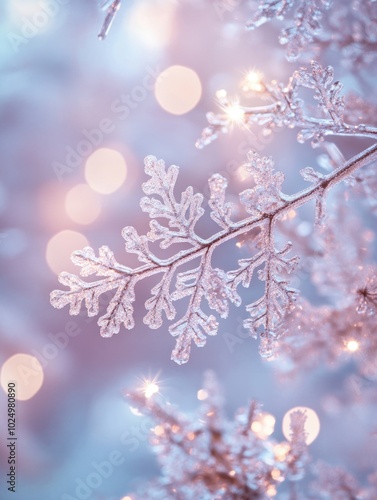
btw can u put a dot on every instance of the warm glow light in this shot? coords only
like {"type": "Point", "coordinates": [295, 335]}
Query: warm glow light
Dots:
{"type": "Point", "coordinates": [281, 451]}
{"type": "Point", "coordinates": [105, 170]}
{"type": "Point", "coordinates": [263, 426]}
{"type": "Point", "coordinates": [312, 424]}
{"type": "Point", "coordinates": [82, 204]}
{"type": "Point", "coordinates": [271, 491]}
{"type": "Point", "coordinates": [352, 345]}
{"type": "Point", "coordinates": [27, 373]}
{"type": "Point", "coordinates": [158, 430]}
{"type": "Point", "coordinates": [256, 427]}
{"type": "Point", "coordinates": [276, 474]}
{"type": "Point", "coordinates": [178, 90]}
{"type": "Point", "coordinates": [221, 94]}
{"type": "Point", "coordinates": [151, 23]}
{"type": "Point", "coordinates": [235, 113]}
{"type": "Point", "coordinates": [127, 498]}
{"type": "Point", "coordinates": [202, 395]}
{"type": "Point", "coordinates": [253, 81]}
{"type": "Point", "coordinates": [150, 390]}
{"type": "Point", "coordinates": [242, 173]}
{"type": "Point", "coordinates": [232, 473]}
{"type": "Point", "coordinates": [60, 248]}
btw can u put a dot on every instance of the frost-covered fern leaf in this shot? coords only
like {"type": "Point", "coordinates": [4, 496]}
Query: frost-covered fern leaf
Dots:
{"type": "Point", "coordinates": [203, 286]}
{"type": "Point", "coordinates": [286, 108]}
{"type": "Point", "coordinates": [202, 283]}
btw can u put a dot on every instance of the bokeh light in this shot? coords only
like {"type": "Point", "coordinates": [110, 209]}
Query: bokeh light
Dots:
{"type": "Point", "coordinates": [312, 424]}
{"type": "Point", "coordinates": [253, 81]}
{"type": "Point", "coordinates": [271, 490]}
{"type": "Point", "coordinates": [105, 170]}
{"type": "Point", "coordinates": [82, 204]}
{"type": "Point", "coordinates": [27, 373]}
{"type": "Point", "coordinates": [178, 90]}
{"type": "Point", "coordinates": [202, 394]}
{"type": "Point", "coordinates": [23, 8]}
{"type": "Point", "coordinates": [151, 23]}
{"type": "Point", "coordinates": [158, 430]}
{"type": "Point", "coordinates": [60, 248]}
{"type": "Point", "coordinates": [263, 425]}
{"type": "Point", "coordinates": [34, 17]}
{"type": "Point", "coordinates": [281, 451]}
{"type": "Point", "coordinates": [352, 345]}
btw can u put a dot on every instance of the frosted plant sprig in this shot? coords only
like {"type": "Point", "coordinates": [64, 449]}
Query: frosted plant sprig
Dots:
{"type": "Point", "coordinates": [286, 108]}
{"type": "Point", "coordinates": [328, 335]}
{"type": "Point", "coordinates": [306, 17]}
{"type": "Point", "coordinates": [208, 456]}
{"type": "Point", "coordinates": [314, 26]}
{"type": "Point", "coordinates": [203, 283]}
{"type": "Point", "coordinates": [344, 329]}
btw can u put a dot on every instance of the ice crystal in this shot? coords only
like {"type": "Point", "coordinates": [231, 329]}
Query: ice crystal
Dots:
{"type": "Point", "coordinates": [112, 8]}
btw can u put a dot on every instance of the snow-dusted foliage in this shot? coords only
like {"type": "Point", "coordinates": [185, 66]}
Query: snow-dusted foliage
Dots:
{"type": "Point", "coordinates": [315, 26]}
{"type": "Point", "coordinates": [208, 456]}
{"type": "Point", "coordinates": [345, 328]}
{"type": "Point", "coordinates": [337, 484]}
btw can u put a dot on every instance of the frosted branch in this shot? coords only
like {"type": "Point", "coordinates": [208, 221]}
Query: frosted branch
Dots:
{"type": "Point", "coordinates": [287, 109]}
{"type": "Point", "coordinates": [265, 204]}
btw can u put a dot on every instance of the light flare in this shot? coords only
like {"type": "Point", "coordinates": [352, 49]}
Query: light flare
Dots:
{"type": "Point", "coordinates": [312, 423]}
{"type": "Point", "coordinates": [352, 345]}
{"type": "Point", "coordinates": [235, 113]}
